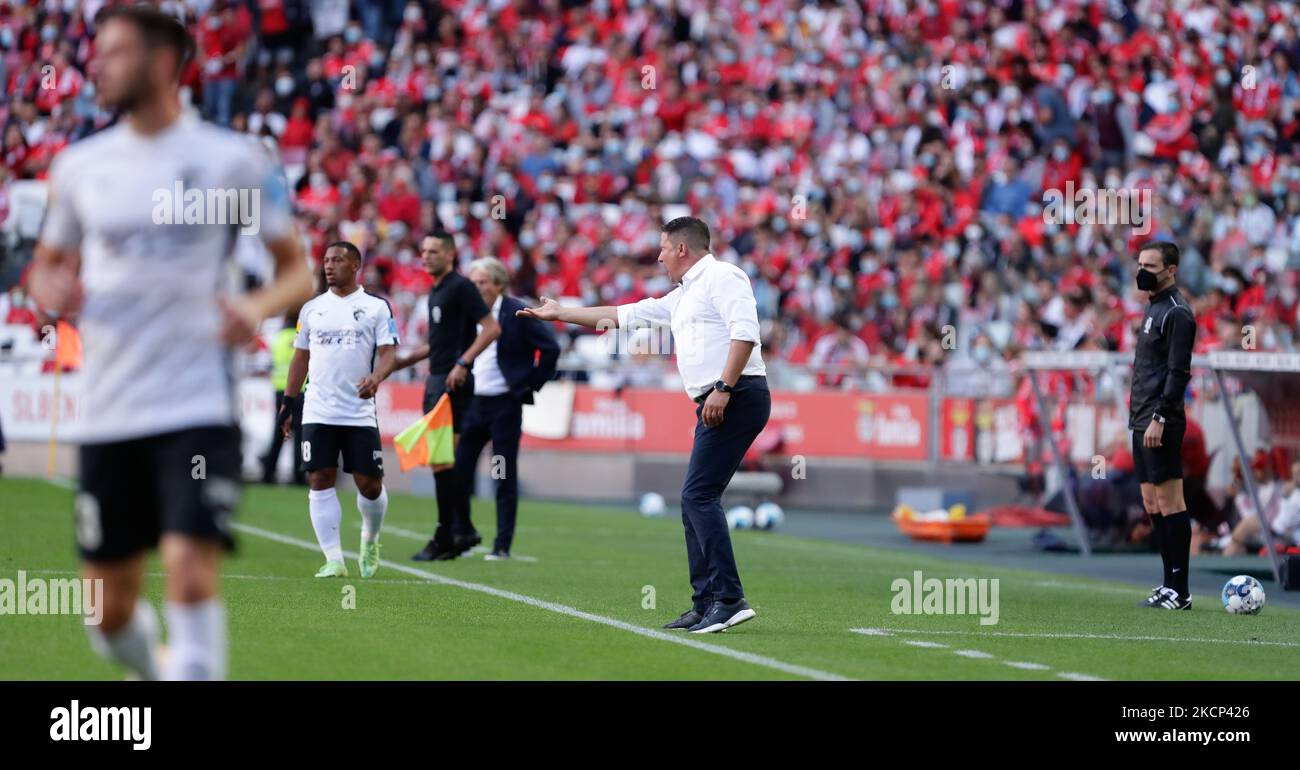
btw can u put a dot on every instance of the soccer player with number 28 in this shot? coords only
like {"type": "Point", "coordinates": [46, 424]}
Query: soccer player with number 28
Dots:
{"type": "Point", "coordinates": [346, 344]}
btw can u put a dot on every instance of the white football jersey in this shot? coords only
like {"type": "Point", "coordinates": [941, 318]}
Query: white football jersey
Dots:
{"type": "Point", "coordinates": [343, 335]}
{"type": "Point", "coordinates": [155, 219]}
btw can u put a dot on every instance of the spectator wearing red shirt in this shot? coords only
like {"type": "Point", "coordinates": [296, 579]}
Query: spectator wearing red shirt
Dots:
{"type": "Point", "coordinates": [298, 131]}
{"type": "Point", "coordinates": [221, 42]}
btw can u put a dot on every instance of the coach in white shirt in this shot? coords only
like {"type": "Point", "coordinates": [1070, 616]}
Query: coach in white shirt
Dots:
{"type": "Point", "coordinates": [714, 320]}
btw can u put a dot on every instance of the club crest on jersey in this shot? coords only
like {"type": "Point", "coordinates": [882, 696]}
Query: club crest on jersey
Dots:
{"type": "Point", "coordinates": [436, 314]}
{"type": "Point", "coordinates": [1146, 329]}
{"type": "Point", "coordinates": [358, 314]}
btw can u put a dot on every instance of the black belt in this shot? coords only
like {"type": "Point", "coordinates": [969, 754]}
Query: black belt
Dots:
{"type": "Point", "coordinates": [743, 378]}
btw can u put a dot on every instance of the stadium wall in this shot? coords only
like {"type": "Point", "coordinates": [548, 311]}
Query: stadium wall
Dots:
{"type": "Point", "coordinates": [853, 450]}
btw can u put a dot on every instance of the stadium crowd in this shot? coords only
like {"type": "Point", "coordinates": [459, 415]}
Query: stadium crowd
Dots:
{"type": "Point", "coordinates": [878, 167]}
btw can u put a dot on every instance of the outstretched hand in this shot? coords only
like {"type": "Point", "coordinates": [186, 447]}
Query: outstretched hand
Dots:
{"type": "Point", "coordinates": [549, 310]}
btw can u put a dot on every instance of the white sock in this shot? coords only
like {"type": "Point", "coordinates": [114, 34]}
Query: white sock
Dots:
{"type": "Point", "coordinates": [196, 641]}
{"type": "Point", "coordinates": [326, 515]}
{"type": "Point", "coordinates": [372, 514]}
{"type": "Point", "coordinates": [131, 646]}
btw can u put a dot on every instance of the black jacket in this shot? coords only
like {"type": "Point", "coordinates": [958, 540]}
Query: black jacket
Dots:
{"type": "Point", "coordinates": [526, 351]}
{"type": "Point", "coordinates": [1162, 366]}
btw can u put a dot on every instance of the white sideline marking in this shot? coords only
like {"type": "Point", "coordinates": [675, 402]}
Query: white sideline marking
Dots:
{"type": "Point", "coordinates": [972, 654]}
{"type": "Point", "coordinates": [1111, 637]}
{"type": "Point", "coordinates": [1026, 666]}
{"type": "Point", "coordinates": [727, 652]}
{"type": "Point", "coordinates": [413, 535]}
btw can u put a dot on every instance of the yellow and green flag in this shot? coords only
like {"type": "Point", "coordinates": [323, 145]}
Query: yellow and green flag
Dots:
{"type": "Point", "coordinates": [428, 440]}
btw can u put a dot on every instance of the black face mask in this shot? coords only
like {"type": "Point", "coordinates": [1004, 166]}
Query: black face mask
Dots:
{"type": "Point", "coordinates": [1147, 280]}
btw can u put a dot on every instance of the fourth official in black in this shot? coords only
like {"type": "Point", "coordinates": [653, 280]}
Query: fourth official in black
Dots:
{"type": "Point", "coordinates": [1162, 368]}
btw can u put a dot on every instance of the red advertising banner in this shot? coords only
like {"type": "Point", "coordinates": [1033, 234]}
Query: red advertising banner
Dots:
{"type": "Point", "coordinates": [884, 426]}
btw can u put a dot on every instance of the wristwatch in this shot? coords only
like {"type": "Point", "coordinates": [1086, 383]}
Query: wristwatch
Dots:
{"type": "Point", "coordinates": [1158, 419]}
{"type": "Point", "coordinates": [722, 387]}
{"type": "Point", "coordinates": [464, 363]}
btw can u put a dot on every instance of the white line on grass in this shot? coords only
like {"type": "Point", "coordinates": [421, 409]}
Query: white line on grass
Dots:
{"type": "Point", "coordinates": [1110, 637]}
{"type": "Point", "coordinates": [686, 641]}
{"type": "Point", "coordinates": [1026, 666]}
{"type": "Point", "coordinates": [1080, 677]}
{"type": "Point", "coordinates": [972, 654]}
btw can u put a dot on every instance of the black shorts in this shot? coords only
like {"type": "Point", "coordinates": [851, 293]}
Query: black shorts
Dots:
{"type": "Point", "coordinates": [360, 446]}
{"type": "Point", "coordinates": [1165, 462]}
{"type": "Point", "coordinates": [132, 492]}
{"type": "Point", "coordinates": [436, 385]}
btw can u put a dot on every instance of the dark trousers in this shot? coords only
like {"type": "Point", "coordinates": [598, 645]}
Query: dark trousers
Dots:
{"type": "Point", "coordinates": [498, 419]}
{"type": "Point", "coordinates": [449, 491]}
{"type": "Point", "coordinates": [714, 459]}
{"type": "Point", "coordinates": [272, 456]}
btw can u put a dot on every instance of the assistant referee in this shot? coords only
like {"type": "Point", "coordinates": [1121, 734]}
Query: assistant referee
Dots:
{"type": "Point", "coordinates": [1162, 367]}
{"type": "Point", "coordinates": [460, 328]}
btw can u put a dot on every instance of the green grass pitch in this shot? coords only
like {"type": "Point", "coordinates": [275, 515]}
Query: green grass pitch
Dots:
{"type": "Point", "coordinates": [577, 608]}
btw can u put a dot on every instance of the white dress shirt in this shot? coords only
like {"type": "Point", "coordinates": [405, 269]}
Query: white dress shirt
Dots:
{"type": "Point", "coordinates": [713, 306]}
{"type": "Point", "coordinates": [488, 379]}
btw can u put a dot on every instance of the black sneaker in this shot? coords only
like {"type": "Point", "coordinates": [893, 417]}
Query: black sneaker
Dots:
{"type": "Point", "coordinates": [465, 542]}
{"type": "Point", "coordinates": [432, 551]}
{"type": "Point", "coordinates": [685, 620]}
{"type": "Point", "coordinates": [1165, 598]}
{"type": "Point", "coordinates": [722, 616]}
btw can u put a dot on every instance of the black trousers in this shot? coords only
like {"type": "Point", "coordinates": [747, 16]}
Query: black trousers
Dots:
{"type": "Point", "coordinates": [714, 459]}
{"type": "Point", "coordinates": [498, 419]}
{"type": "Point", "coordinates": [451, 496]}
{"type": "Point", "coordinates": [272, 456]}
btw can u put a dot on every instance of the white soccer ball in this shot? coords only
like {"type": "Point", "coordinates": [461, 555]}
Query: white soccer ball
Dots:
{"type": "Point", "coordinates": [768, 516]}
{"type": "Point", "coordinates": [740, 517]}
{"type": "Point", "coordinates": [652, 504]}
{"type": "Point", "coordinates": [1243, 595]}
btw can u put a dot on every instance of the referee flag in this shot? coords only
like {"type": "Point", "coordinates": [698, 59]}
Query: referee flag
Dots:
{"type": "Point", "coordinates": [67, 346]}
{"type": "Point", "coordinates": [428, 440]}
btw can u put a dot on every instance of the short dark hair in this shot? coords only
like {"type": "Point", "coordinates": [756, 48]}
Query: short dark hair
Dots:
{"type": "Point", "coordinates": [350, 248]}
{"type": "Point", "coordinates": [444, 236]}
{"type": "Point", "coordinates": [691, 231]}
{"type": "Point", "coordinates": [1168, 251]}
{"type": "Point", "coordinates": [158, 28]}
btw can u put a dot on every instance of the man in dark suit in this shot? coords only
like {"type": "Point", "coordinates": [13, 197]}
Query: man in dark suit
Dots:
{"type": "Point", "coordinates": [506, 374]}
